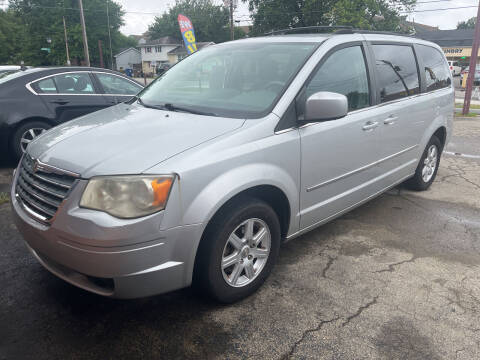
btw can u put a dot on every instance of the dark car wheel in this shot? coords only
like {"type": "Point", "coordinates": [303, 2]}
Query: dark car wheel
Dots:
{"type": "Point", "coordinates": [25, 134]}
{"type": "Point", "coordinates": [238, 251]}
{"type": "Point", "coordinates": [427, 167]}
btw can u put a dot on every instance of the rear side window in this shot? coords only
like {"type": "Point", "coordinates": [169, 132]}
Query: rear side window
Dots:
{"type": "Point", "coordinates": [437, 73]}
{"type": "Point", "coordinates": [344, 72]}
{"type": "Point", "coordinates": [396, 71]}
{"type": "Point", "coordinates": [46, 86]}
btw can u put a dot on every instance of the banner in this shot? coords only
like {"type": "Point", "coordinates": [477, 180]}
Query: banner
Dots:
{"type": "Point", "coordinates": [186, 28]}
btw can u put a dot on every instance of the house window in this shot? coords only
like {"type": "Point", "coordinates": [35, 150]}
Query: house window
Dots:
{"type": "Point", "coordinates": [158, 48]}
{"type": "Point", "coordinates": [148, 49]}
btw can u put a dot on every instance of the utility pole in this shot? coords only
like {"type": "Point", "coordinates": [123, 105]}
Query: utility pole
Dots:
{"type": "Point", "coordinates": [231, 20]}
{"type": "Point", "coordinates": [66, 40]}
{"type": "Point", "coordinates": [109, 38]}
{"type": "Point", "coordinates": [100, 53]}
{"type": "Point", "coordinates": [84, 34]}
{"type": "Point", "coordinates": [473, 66]}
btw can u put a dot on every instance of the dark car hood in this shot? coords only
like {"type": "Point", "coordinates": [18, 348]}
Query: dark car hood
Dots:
{"type": "Point", "coordinates": [125, 139]}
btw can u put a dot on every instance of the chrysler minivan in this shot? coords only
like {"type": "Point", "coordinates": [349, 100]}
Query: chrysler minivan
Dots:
{"type": "Point", "coordinates": [237, 148]}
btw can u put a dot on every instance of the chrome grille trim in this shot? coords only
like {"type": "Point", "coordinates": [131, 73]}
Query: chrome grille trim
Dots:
{"type": "Point", "coordinates": [41, 188]}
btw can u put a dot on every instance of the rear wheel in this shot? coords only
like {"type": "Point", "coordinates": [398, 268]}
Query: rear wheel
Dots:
{"type": "Point", "coordinates": [25, 134]}
{"type": "Point", "coordinates": [238, 251]}
{"type": "Point", "coordinates": [427, 167]}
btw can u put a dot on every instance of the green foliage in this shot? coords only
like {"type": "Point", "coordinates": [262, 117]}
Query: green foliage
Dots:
{"type": "Point", "coordinates": [39, 20]}
{"type": "Point", "coordinates": [211, 22]}
{"type": "Point", "coordinates": [383, 15]}
{"type": "Point", "coordinates": [11, 36]}
{"type": "Point", "coordinates": [469, 24]}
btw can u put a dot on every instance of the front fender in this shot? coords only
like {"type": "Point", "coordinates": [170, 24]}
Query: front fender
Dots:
{"type": "Point", "coordinates": [233, 182]}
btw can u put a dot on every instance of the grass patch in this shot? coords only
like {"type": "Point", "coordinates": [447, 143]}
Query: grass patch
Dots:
{"type": "Point", "coordinates": [459, 114]}
{"type": "Point", "coordinates": [472, 106]}
{"type": "Point", "coordinates": [4, 198]}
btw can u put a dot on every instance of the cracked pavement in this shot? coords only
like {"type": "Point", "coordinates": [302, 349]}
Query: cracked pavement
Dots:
{"type": "Point", "coordinates": [397, 278]}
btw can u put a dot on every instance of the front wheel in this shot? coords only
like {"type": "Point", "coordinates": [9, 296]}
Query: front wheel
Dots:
{"type": "Point", "coordinates": [238, 251]}
{"type": "Point", "coordinates": [427, 167]}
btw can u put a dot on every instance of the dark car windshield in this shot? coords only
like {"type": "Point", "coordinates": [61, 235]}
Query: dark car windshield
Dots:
{"type": "Point", "coordinates": [240, 80]}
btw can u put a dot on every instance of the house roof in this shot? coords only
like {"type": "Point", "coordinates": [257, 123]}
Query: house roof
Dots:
{"type": "Point", "coordinates": [445, 38]}
{"type": "Point", "coordinates": [165, 40]}
{"type": "Point", "coordinates": [125, 50]}
{"type": "Point", "coordinates": [180, 50]}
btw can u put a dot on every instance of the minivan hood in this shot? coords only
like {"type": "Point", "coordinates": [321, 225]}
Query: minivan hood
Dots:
{"type": "Point", "coordinates": [125, 139]}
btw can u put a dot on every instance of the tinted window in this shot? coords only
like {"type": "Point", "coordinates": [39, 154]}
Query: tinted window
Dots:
{"type": "Point", "coordinates": [396, 71]}
{"type": "Point", "coordinates": [437, 73]}
{"type": "Point", "coordinates": [46, 86]}
{"type": "Point", "coordinates": [74, 83]}
{"type": "Point", "coordinates": [116, 85]}
{"type": "Point", "coordinates": [344, 72]}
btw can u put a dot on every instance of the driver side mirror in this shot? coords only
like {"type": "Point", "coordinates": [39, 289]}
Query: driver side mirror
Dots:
{"type": "Point", "coordinates": [324, 106]}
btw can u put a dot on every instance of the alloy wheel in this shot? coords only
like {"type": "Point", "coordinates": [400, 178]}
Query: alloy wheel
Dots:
{"type": "Point", "coordinates": [430, 163]}
{"type": "Point", "coordinates": [28, 136]}
{"type": "Point", "coordinates": [246, 252]}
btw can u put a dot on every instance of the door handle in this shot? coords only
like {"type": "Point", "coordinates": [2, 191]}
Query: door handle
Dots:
{"type": "Point", "coordinates": [59, 102]}
{"type": "Point", "coordinates": [370, 125]}
{"type": "Point", "coordinates": [390, 120]}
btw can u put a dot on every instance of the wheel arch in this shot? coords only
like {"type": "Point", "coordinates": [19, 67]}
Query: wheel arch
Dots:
{"type": "Point", "coordinates": [441, 134]}
{"type": "Point", "coordinates": [270, 194]}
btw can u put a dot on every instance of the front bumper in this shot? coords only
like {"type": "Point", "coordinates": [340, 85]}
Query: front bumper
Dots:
{"type": "Point", "coordinates": [110, 256]}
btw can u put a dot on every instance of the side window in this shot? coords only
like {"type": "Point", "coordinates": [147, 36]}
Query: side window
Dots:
{"type": "Point", "coordinates": [74, 83]}
{"type": "Point", "coordinates": [116, 85]}
{"type": "Point", "coordinates": [437, 73]}
{"type": "Point", "coordinates": [344, 72]}
{"type": "Point", "coordinates": [396, 71]}
{"type": "Point", "coordinates": [45, 86]}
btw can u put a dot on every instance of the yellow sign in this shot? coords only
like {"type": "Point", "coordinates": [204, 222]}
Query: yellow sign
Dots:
{"type": "Point", "coordinates": [458, 51]}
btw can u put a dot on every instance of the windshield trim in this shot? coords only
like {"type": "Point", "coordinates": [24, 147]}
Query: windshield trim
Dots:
{"type": "Point", "coordinates": [252, 114]}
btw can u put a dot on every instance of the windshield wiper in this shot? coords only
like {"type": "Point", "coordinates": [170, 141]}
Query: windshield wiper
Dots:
{"type": "Point", "coordinates": [172, 107]}
{"type": "Point", "coordinates": [158, 107]}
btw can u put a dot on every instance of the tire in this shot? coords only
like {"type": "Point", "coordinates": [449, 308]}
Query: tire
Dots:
{"type": "Point", "coordinates": [247, 272]}
{"type": "Point", "coordinates": [427, 167]}
{"type": "Point", "coordinates": [25, 132]}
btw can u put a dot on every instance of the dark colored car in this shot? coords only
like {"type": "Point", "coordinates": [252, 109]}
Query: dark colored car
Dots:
{"type": "Point", "coordinates": [34, 100]}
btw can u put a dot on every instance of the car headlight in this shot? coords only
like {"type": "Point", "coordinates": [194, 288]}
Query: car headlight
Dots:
{"type": "Point", "coordinates": [127, 196]}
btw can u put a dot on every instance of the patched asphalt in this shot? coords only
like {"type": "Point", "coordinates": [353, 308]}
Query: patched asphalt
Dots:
{"type": "Point", "coordinates": [397, 278]}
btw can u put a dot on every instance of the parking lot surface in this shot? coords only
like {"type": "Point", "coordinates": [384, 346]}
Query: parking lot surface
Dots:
{"type": "Point", "coordinates": [397, 278]}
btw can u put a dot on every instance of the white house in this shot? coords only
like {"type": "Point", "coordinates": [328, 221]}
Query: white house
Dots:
{"type": "Point", "coordinates": [128, 58]}
{"type": "Point", "coordinates": [154, 53]}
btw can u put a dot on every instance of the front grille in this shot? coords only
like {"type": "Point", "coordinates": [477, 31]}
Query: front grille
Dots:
{"type": "Point", "coordinates": [42, 188]}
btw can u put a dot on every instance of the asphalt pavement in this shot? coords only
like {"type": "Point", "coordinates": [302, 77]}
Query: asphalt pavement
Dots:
{"type": "Point", "coordinates": [397, 278]}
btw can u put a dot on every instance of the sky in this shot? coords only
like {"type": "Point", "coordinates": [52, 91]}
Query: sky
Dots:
{"type": "Point", "coordinates": [141, 13]}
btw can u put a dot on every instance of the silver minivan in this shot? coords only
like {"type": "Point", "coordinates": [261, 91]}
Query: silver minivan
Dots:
{"type": "Point", "coordinates": [236, 149]}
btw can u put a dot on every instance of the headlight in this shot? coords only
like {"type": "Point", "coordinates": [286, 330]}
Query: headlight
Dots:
{"type": "Point", "coordinates": [127, 196]}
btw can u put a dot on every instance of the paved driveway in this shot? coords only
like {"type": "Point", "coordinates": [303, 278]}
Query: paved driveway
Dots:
{"type": "Point", "coordinates": [398, 278]}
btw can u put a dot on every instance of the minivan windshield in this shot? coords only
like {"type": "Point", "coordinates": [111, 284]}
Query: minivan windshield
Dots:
{"type": "Point", "coordinates": [238, 80]}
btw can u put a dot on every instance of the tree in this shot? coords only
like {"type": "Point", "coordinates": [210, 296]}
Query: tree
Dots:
{"type": "Point", "coordinates": [211, 22]}
{"type": "Point", "coordinates": [11, 37]}
{"type": "Point", "coordinates": [469, 24]}
{"type": "Point", "coordinates": [42, 25]}
{"type": "Point", "coordinates": [384, 15]}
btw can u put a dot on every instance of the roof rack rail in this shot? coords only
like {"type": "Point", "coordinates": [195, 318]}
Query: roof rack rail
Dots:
{"type": "Point", "coordinates": [359, 31]}
{"type": "Point", "coordinates": [340, 29]}
{"type": "Point", "coordinates": [306, 28]}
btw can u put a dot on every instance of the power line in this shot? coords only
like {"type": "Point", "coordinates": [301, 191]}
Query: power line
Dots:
{"type": "Point", "coordinates": [427, 10]}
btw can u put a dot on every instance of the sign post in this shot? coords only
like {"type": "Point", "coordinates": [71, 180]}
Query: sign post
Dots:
{"type": "Point", "coordinates": [188, 34]}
